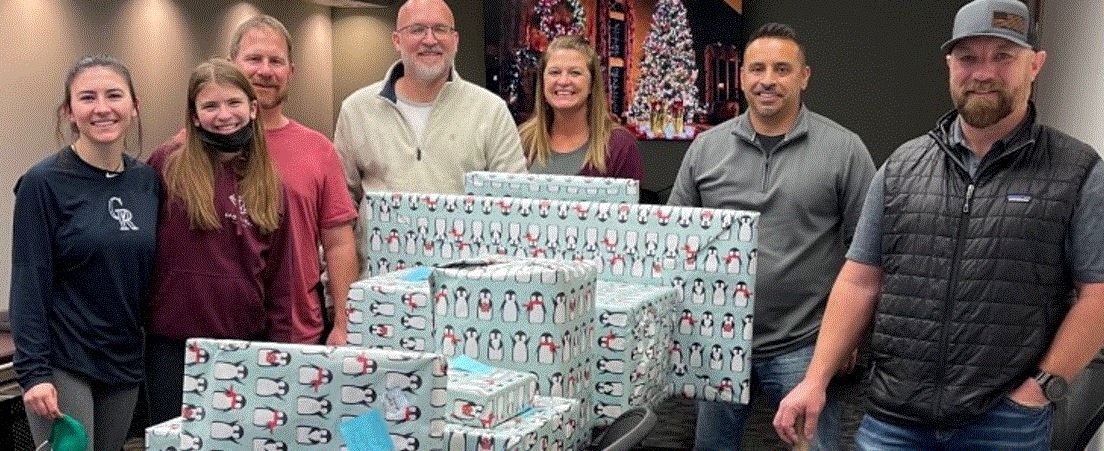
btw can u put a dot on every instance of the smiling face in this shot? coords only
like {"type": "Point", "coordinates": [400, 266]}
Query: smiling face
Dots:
{"type": "Point", "coordinates": [222, 108]}
{"type": "Point", "coordinates": [773, 76]}
{"type": "Point", "coordinates": [567, 80]}
{"type": "Point", "coordinates": [263, 58]}
{"type": "Point", "coordinates": [100, 105]}
{"type": "Point", "coordinates": [426, 39]}
{"type": "Point", "coordinates": [990, 78]}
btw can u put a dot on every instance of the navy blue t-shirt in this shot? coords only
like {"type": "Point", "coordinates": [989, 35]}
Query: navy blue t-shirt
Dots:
{"type": "Point", "coordinates": [83, 242]}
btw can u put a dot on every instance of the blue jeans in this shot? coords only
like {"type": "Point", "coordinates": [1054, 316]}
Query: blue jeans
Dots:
{"type": "Point", "coordinates": [721, 424]}
{"type": "Point", "coordinates": [1007, 426]}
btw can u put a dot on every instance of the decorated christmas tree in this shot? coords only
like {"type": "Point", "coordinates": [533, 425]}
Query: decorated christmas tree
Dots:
{"type": "Point", "coordinates": [666, 96]}
{"type": "Point", "coordinates": [551, 18]}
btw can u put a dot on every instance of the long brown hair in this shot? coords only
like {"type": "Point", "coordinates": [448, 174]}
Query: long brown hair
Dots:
{"type": "Point", "coordinates": [189, 174]}
{"type": "Point", "coordinates": [534, 132]}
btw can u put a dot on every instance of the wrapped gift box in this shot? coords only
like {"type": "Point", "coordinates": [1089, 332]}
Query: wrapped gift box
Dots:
{"type": "Point", "coordinates": [633, 325]}
{"type": "Point", "coordinates": [392, 311]}
{"type": "Point", "coordinates": [531, 310]}
{"type": "Point", "coordinates": [545, 186]}
{"type": "Point", "coordinates": [293, 396]}
{"type": "Point", "coordinates": [166, 437]}
{"type": "Point", "coordinates": [523, 314]}
{"type": "Point", "coordinates": [483, 396]}
{"type": "Point", "coordinates": [708, 255]}
{"type": "Point", "coordinates": [551, 424]}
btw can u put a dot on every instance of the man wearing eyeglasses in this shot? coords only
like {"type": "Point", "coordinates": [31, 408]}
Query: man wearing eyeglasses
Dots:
{"type": "Point", "coordinates": [422, 127]}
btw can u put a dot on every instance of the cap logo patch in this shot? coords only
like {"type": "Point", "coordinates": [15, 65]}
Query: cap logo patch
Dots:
{"type": "Point", "coordinates": [1009, 21]}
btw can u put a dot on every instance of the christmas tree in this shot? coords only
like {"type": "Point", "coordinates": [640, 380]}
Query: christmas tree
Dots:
{"type": "Point", "coordinates": [551, 18]}
{"type": "Point", "coordinates": [666, 96]}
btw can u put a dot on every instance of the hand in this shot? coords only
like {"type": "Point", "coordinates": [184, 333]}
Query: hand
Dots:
{"type": "Point", "coordinates": [42, 400]}
{"type": "Point", "coordinates": [802, 405]}
{"type": "Point", "coordinates": [1029, 394]}
{"type": "Point", "coordinates": [338, 336]}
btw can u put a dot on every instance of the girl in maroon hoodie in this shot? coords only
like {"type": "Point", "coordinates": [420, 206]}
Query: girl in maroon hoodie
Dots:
{"type": "Point", "coordinates": [223, 255]}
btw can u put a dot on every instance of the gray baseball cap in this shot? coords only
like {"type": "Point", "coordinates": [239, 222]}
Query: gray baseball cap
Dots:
{"type": "Point", "coordinates": [1008, 19]}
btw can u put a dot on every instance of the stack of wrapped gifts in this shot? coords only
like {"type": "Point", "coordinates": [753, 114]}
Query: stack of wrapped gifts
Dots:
{"type": "Point", "coordinates": [707, 255]}
{"type": "Point", "coordinates": [493, 408]}
{"type": "Point", "coordinates": [523, 314]}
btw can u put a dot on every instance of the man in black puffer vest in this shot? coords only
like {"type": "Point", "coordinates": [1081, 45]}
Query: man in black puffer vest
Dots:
{"type": "Point", "coordinates": [977, 265]}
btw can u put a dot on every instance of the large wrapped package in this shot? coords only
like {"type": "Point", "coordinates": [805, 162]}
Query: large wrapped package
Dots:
{"type": "Point", "coordinates": [708, 255]}
{"type": "Point", "coordinates": [523, 314]}
{"type": "Point", "coordinates": [240, 394]}
{"type": "Point", "coordinates": [547, 186]}
{"type": "Point", "coordinates": [392, 311]}
{"type": "Point", "coordinates": [483, 396]}
{"type": "Point", "coordinates": [633, 325]}
{"type": "Point", "coordinates": [549, 425]}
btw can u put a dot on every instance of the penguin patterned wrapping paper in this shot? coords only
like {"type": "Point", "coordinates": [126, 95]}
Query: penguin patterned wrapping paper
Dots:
{"type": "Point", "coordinates": [708, 255]}
{"type": "Point", "coordinates": [547, 186]}
{"type": "Point", "coordinates": [392, 311]}
{"type": "Point", "coordinates": [241, 394]}
{"type": "Point", "coordinates": [166, 437]}
{"type": "Point", "coordinates": [548, 426]}
{"type": "Point", "coordinates": [483, 396]}
{"type": "Point", "coordinates": [632, 364]}
{"type": "Point", "coordinates": [540, 320]}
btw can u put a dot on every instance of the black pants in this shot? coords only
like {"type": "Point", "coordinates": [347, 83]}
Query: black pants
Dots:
{"type": "Point", "coordinates": [327, 314]}
{"type": "Point", "coordinates": [164, 378]}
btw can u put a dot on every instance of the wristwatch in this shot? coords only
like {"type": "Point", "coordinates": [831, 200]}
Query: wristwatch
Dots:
{"type": "Point", "coordinates": [1054, 386]}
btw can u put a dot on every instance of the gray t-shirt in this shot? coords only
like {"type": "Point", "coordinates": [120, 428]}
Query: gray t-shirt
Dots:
{"type": "Point", "coordinates": [1084, 242]}
{"type": "Point", "coordinates": [562, 163]}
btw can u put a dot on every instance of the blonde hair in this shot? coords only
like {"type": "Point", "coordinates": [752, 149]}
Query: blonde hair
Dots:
{"type": "Point", "coordinates": [534, 132]}
{"type": "Point", "coordinates": [259, 22]}
{"type": "Point", "coordinates": [189, 174]}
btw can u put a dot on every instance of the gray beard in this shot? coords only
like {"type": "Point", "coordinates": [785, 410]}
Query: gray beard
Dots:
{"type": "Point", "coordinates": [427, 74]}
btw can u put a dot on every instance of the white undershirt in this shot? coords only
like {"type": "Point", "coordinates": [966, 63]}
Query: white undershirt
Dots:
{"type": "Point", "coordinates": [417, 115]}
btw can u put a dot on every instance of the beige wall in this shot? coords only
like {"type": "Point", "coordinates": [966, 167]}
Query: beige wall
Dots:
{"type": "Point", "coordinates": [362, 48]}
{"type": "Point", "coordinates": [1068, 89]}
{"type": "Point", "coordinates": [336, 51]}
{"type": "Point", "coordinates": [161, 41]}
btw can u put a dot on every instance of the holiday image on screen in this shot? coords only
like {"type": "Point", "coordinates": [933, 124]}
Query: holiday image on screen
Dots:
{"type": "Point", "coordinates": [671, 67]}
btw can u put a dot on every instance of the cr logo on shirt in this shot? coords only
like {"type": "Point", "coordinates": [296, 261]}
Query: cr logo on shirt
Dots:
{"type": "Point", "coordinates": [118, 213]}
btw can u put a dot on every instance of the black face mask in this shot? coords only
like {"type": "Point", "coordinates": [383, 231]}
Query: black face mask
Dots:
{"type": "Point", "coordinates": [234, 142]}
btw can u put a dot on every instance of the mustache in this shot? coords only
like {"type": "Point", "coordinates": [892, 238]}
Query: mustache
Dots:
{"type": "Point", "coordinates": [985, 86]}
{"type": "Point", "coordinates": [431, 48]}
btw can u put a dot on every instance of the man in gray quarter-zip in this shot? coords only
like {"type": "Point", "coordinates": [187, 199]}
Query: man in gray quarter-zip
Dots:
{"type": "Point", "coordinates": [977, 265]}
{"type": "Point", "coordinates": [807, 176]}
